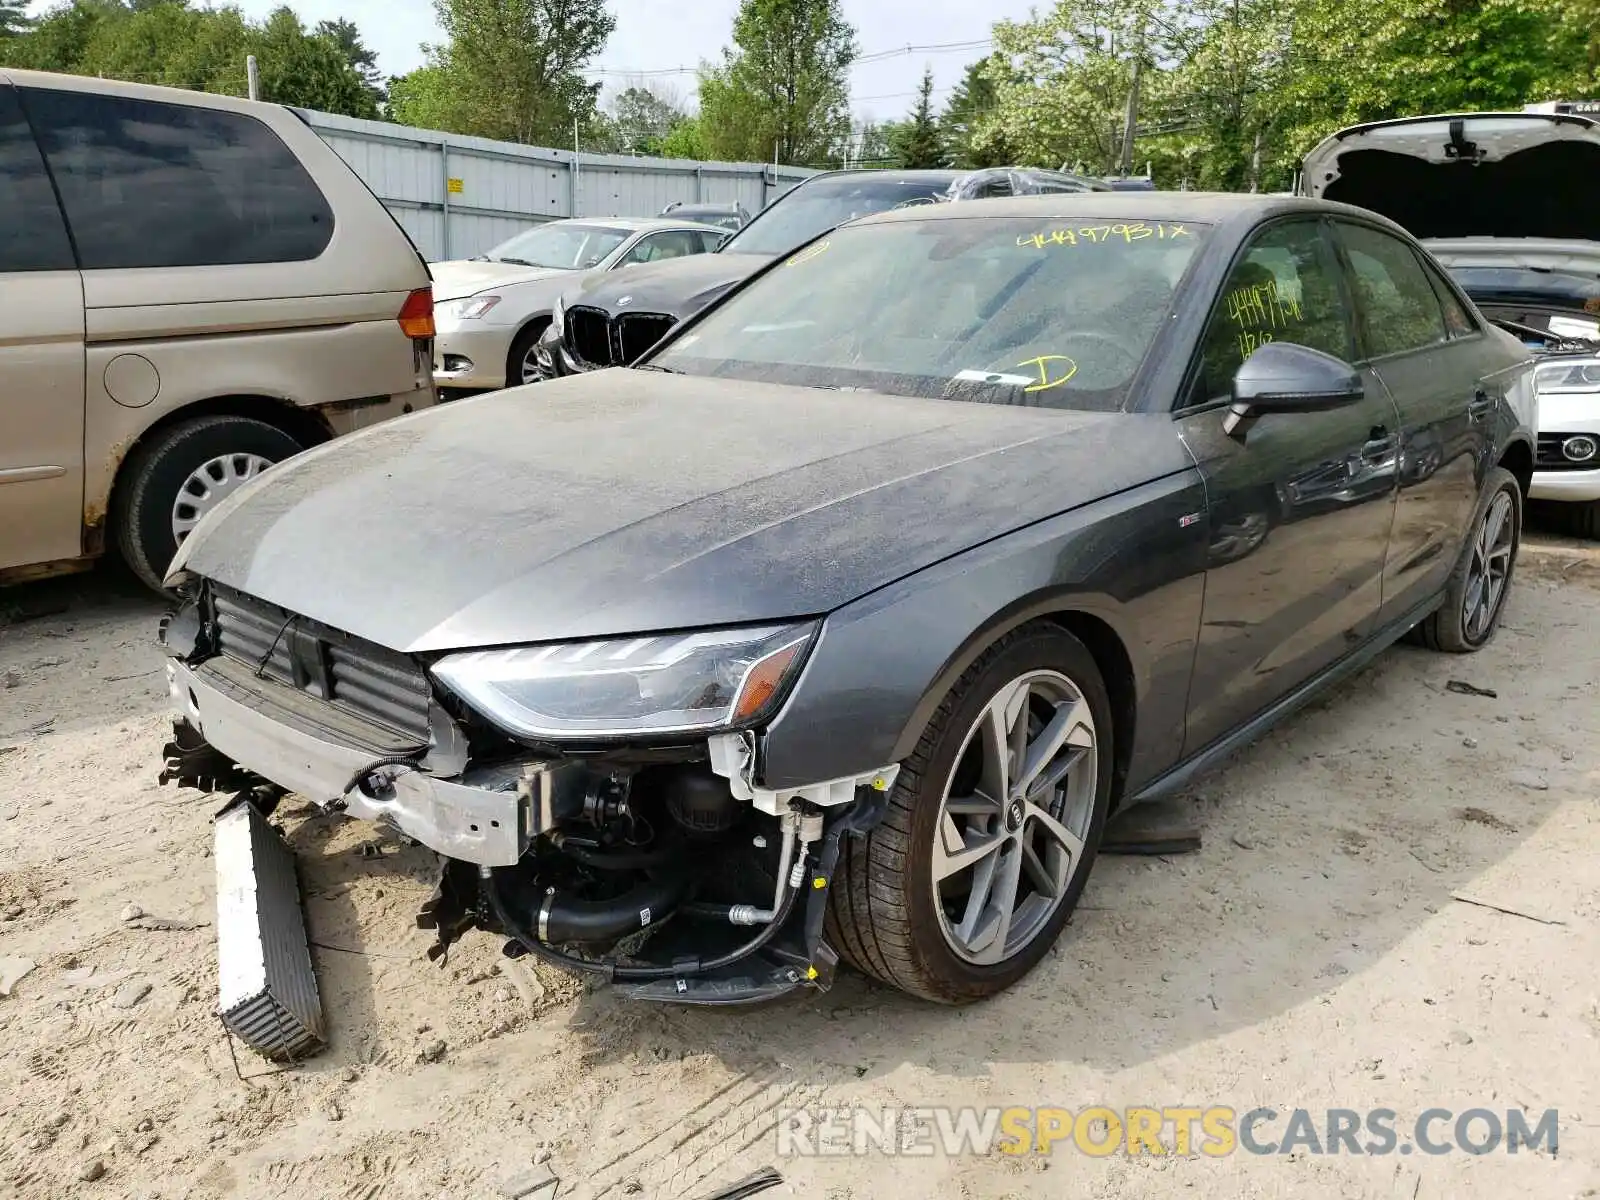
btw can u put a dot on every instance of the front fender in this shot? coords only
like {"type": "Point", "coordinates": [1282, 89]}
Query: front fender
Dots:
{"type": "Point", "coordinates": [883, 663]}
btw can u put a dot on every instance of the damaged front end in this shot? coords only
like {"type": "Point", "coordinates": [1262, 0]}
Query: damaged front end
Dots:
{"type": "Point", "coordinates": [650, 857]}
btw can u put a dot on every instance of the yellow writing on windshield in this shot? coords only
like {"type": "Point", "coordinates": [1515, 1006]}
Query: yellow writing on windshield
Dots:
{"type": "Point", "coordinates": [1053, 369]}
{"type": "Point", "coordinates": [1097, 235]}
{"type": "Point", "coordinates": [808, 253]}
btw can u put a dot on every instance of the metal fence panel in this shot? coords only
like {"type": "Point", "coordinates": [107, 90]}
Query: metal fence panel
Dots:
{"type": "Point", "coordinates": [458, 196]}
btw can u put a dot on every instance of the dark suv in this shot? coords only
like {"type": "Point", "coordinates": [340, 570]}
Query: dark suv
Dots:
{"type": "Point", "coordinates": [612, 321]}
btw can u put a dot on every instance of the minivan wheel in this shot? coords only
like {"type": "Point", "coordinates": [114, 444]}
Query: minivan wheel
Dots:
{"type": "Point", "coordinates": [992, 827]}
{"type": "Point", "coordinates": [1475, 595]}
{"type": "Point", "coordinates": [172, 482]}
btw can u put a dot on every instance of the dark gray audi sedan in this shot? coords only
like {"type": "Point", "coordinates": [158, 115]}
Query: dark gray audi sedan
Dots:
{"type": "Point", "coordinates": [836, 627]}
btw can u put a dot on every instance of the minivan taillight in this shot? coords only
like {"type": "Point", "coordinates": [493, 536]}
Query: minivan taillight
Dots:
{"type": "Point", "coordinates": [416, 314]}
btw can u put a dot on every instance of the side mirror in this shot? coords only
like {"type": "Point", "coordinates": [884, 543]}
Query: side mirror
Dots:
{"type": "Point", "coordinates": [1282, 377]}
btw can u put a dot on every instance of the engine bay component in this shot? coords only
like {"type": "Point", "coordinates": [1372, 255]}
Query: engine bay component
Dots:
{"type": "Point", "coordinates": [267, 990]}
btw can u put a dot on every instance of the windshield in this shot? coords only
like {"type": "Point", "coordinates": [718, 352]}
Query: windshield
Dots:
{"type": "Point", "coordinates": [559, 244]}
{"type": "Point", "coordinates": [1576, 287]}
{"type": "Point", "coordinates": [1049, 313]}
{"type": "Point", "coordinates": [799, 215]}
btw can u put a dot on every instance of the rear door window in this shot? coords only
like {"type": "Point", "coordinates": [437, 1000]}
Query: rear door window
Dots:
{"type": "Point", "coordinates": [1398, 308]}
{"type": "Point", "coordinates": [33, 236]}
{"type": "Point", "coordinates": [151, 184]}
{"type": "Point", "coordinates": [1457, 322]}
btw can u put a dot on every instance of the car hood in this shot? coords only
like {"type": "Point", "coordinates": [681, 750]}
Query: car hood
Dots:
{"type": "Point", "coordinates": [678, 287]}
{"type": "Point", "coordinates": [1469, 176]}
{"type": "Point", "coordinates": [629, 501]}
{"type": "Point", "coordinates": [463, 277]}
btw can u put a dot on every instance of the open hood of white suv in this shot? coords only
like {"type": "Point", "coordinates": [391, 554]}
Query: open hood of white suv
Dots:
{"type": "Point", "coordinates": [1474, 176]}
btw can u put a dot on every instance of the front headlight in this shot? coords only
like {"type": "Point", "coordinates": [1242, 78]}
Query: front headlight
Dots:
{"type": "Point", "coordinates": [1567, 376]}
{"type": "Point", "coordinates": [671, 683]}
{"type": "Point", "coordinates": [469, 309]}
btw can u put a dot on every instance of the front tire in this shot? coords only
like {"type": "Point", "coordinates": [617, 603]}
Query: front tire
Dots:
{"type": "Point", "coordinates": [171, 482]}
{"type": "Point", "coordinates": [992, 827]}
{"type": "Point", "coordinates": [1476, 593]}
{"type": "Point", "coordinates": [521, 366]}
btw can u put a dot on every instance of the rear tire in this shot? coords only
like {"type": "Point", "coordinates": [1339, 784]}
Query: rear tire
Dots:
{"type": "Point", "coordinates": [1459, 626]}
{"type": "Point", "coordinates": [897, 910]}
{"type": "Point", "coordinates": [155, 475]}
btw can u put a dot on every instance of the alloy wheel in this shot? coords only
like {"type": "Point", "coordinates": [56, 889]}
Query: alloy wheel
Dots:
{"type": "Point", "coordinates": [529, 369]}
{"type": "Point", "coordinates": [209, 485]}
{"type": "Point", "coordinates": [1014, 817]}
{"type": "Point", "coordinates": [1489, 569]}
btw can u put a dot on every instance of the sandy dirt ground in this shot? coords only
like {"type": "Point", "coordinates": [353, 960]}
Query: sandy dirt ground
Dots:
{"type": "Point", "coordinates": [1315, 954]}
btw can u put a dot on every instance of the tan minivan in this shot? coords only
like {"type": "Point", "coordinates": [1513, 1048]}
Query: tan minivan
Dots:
{"type": "Point", "coordinates": [192, 288]}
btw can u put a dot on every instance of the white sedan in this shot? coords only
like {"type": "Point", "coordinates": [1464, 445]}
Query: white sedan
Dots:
{"type": "Point", "coordinates": [491, 310]}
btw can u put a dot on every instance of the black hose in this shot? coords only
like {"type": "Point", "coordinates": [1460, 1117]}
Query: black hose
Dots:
{"type": "Point", "coordinates": [615, 860]}
{"type": "Point", "coordinates": [567, 919]}
{"type": "Point", "coordinates": [613, 972]}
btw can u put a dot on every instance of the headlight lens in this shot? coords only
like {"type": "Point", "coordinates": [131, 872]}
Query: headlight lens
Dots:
{"type": "Point", "coordinates": [1568, 375]}
{"type": "Point", "coordinates": [672, 683]}
{"type": "Point", "coordinates": [471, 308]}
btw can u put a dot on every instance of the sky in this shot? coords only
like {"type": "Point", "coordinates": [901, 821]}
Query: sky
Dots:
{"type": "Point", "coordinates": [675, 35]}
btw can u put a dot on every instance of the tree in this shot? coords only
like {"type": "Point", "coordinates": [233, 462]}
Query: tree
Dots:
{"type": "Point", "coordinates": [306, 70]}
{"type": "Point", "coordinates": [685, 140]}
{"type": "Point", "coordinates": [421, 98]}
{"type": "Point", "coordinates": [967, 114]}
{"type": "Point", "coordinates": [512, 69]}
{"type": "Point", "coordinates": [1065, 94]}
{"type": "Point", "coordinates": [363, 61]}
{"type": "Point", "coordinates": [915, 142]}
{"type": "Point", "coordinates": [1226, 92]}
{"type": "Point", "coordinates": [642, 117]}
{"type": "Point", "coordinates": [783, 87]}
{"type": "Point", "coordinates": [13, 18]}
{"type": "Point", "coordinates": [167, 42]}
{"type": "Point", "coordinates": [1392, 58]}
{"type": "Point", "coordinates": [872, 144]}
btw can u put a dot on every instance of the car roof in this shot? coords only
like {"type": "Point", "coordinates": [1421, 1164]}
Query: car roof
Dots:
{"type": "Point", "coordinates": [638, 224]}
{"type": "Point", "coordinates": [1211, 208]}
{"type": "Point", "coordinates": [920, 175]}
{"type": "Point", "coordinates": [708, 206]}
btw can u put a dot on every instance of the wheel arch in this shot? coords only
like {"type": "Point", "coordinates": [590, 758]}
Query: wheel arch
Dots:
{"type": "Point", "coordinates": [305, 425]}
{"type": "Point", "coordinates": [1517, 457]}
{"type": "Point", "coordinates": [536, 324]}
{"type": "Point", "coordinates": [1094, 621]}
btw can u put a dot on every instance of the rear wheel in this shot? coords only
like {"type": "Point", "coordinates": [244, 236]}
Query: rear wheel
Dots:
{"type": "Point", "coordinates": [1476, 592]}
{"type": "Point", "coordinates": [992, 827]}
{"type": "Point", "coordinates": [173, 481]}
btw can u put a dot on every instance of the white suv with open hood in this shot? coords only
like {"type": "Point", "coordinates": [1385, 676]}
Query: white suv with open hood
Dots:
{"type": "Point", "coordinates": [1506, 201]}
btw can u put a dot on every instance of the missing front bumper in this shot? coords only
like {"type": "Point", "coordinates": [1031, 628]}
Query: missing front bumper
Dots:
{"type": "Point", "coordinates": [486, 817]}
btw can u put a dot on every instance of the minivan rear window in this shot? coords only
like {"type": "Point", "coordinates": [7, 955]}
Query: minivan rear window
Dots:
{"type": "Point", "coordinates": [32, 236]}
{"type": "Point", "coordinates": [150, 184]}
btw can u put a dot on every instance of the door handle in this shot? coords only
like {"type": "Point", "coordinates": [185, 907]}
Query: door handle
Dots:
{"type": "Point", "coordinates": [1482, 405]}
{"type": "Point", "coordinates": [1379, 442]}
